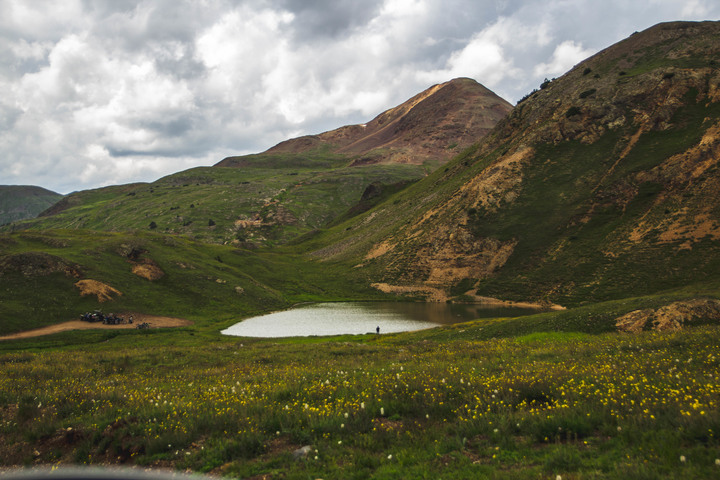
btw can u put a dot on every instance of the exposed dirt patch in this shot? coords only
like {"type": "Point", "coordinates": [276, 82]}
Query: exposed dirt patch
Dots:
{"type": "Point", "coordinates": [670, 317]}
{"type": "Point", "coordinates": [388, 425]}
{"type": "Point", "coordinates": [379, 250]}
{"type": "Point", "coordinates": [152, 320]}
{"type": "Point", "coordinates": [493, 185]}
{"type": "Point", "coordinates": [461, 255]}
{"type": "Point", "coordinates": [431, 294]}
{"type": "Point", "coordinates": [688, 172]}
{"type": "Point", "coordinates": [148, 271]}
{"type": "Point", "coordinates": [700, 226]}
{"type": "Point", "coordinates": [509, 303]}
{"type": "Point", "coordinates": [103, 291]}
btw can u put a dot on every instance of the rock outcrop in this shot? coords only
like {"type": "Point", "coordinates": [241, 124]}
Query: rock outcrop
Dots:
{"type": "Point", "coordinates": [670, 317]}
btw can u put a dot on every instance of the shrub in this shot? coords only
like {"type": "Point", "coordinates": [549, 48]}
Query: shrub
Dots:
{"type": "Point", "coordinates": [587, 93]}
{"type": "Point", "coordinates": [535, 90]}
{"type": "Point", "coordinates": [572, 111]}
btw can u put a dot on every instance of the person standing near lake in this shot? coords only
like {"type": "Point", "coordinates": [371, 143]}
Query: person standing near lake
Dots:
{"type": "Point", "coordinates": [377, 330]}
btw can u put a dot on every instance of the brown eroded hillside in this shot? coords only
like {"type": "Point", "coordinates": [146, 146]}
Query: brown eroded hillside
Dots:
{"type": "Point", "coordinates": [433, 126]}
{"type": "Point", "coordinates": [604, 183]}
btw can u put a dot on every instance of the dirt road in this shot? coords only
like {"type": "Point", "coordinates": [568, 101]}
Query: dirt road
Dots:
{"type": "Point", "coordinates": [155, 322]}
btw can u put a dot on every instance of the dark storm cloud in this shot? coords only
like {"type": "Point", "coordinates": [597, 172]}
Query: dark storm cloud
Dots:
{"type": "Point", "coordinates": [321, 20]}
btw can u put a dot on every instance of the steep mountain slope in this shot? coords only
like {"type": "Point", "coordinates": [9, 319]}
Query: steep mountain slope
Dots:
{"type": "Point", "coordinates": [431, 128]}
{"type": "Point", "coordinates": [602, 184]}
{"type": "Point", "coordinates": [272, 198]}
{"type": "Point", "coordinates": [18, 202]}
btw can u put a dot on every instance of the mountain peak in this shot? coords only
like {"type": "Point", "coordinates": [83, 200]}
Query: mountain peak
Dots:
{"type": "Point", "coordinates": [430, 127]}
{"type": "Point", "coordinates": [601, 182]}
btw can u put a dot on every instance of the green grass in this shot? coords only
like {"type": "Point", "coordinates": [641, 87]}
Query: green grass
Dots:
{"type": "Point", "coordinates": [395, 406]}
{"type": "Point", "coordinates": [287, 196]}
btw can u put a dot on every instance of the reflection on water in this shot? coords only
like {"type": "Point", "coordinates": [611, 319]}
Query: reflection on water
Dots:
{"type": "Point", "coordinates": [360, 318]}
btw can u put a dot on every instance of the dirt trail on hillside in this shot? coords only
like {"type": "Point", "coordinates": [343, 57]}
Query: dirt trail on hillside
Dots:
{"type": "Point", "coordinates": [154, 321]}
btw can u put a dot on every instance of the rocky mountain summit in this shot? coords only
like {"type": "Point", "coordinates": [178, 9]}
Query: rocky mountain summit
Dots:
{"type": "Point", "coordinates": [431, 127]}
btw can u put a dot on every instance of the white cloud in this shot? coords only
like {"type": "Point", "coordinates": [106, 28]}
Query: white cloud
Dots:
{"type": "Point", "coordinates": [489, 55]}
{"type": "Point", "coordinates": [694, 9]}
{"type": "Point", "coordinates": [107, 92]}
{"type": "Point", "coordinates": [565, 56]}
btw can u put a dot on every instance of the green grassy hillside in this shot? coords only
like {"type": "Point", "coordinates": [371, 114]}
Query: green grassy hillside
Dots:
{"type": "Point", "coordinates": [269, 200]}
{"type": "Point", "coordinates": [209, 284]}
{"type": "Point", "coordinates": [20, 202]}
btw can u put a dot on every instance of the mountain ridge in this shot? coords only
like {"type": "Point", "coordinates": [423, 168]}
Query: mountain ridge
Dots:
{"type": "Point", "coordinates": [447, 117]}
{"type": "Point", "coordinates": [604, 154]}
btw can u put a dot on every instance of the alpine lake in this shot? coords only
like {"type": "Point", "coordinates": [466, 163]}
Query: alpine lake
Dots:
{"type": "Point", "coordinates": [342, 318]}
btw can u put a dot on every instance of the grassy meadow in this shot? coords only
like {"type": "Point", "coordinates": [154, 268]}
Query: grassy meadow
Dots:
{"type": "Point", "coordinates": [467, 401]}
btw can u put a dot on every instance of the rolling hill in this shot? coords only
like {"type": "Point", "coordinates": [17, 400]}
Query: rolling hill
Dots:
{"type": "Point", "coordinates": [157, 244]}
{"type": "Point", "coordinates": [19, 202]}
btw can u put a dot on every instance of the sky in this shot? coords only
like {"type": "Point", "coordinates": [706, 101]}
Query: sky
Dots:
{"type": "Point", "coordinates": [108, 92]}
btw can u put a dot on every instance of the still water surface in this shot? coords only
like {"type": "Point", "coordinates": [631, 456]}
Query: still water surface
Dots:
{"type": "Point", "coordinates": [364, 317]}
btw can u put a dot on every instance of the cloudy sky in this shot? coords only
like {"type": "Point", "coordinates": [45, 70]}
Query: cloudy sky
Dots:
{"type": "Point", "coordinates": [97, 93]}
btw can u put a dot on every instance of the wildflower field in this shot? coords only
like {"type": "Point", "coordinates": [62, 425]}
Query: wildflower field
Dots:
{"type": "Point", "coordinates": [397, 406]}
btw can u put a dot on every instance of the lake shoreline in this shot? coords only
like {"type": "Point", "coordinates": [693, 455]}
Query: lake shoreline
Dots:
{"type": "Point", "coordinates": [361, 318]}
